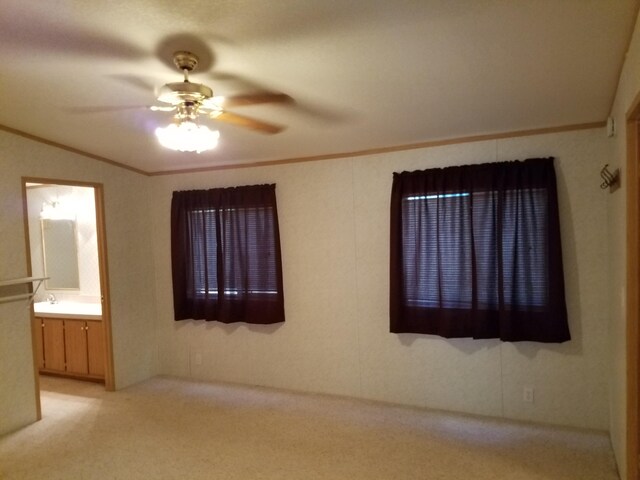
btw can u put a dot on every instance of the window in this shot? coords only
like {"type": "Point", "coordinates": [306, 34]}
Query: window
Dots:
{"type": "Point", "coordinates": [226, 255]}
{"type": "Point", "coordinates": [475, 252]}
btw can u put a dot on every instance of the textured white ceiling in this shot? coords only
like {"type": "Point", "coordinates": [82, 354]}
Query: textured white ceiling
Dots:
{"type": "Point", "coordinates": [364, 73]}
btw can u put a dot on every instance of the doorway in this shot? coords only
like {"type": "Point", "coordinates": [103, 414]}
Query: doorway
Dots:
{"type": "Point", "coordinates": [633, 292]}
{"type": "Point", "coordinates": [66, 244]}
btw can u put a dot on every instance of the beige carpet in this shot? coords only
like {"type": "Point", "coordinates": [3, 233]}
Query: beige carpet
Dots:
{"type": "Point", "coordinates": [168, 428]}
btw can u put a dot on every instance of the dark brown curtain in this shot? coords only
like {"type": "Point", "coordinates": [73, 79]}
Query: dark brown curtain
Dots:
{"type": "Point", "coordinates": [225, 253]}
{"type": "Point", "coordinates": [476, 252]}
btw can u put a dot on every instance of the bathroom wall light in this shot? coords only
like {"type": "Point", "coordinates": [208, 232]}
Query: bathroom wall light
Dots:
{"type": "Point", "coordinates": [187, 136]}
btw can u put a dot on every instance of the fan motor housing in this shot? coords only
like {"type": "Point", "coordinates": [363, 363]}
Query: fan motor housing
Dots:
{"type": "Point", "coordinates": [179, 92]}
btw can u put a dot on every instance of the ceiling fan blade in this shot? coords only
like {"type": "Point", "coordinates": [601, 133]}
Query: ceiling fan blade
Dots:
{"type": "Point", "coordinates": [142, 83]}
{"type": "Point", "coordinates": [238, 82]}
{"type": "Point", "coordinates": [254, 99]}
{"type": "Point", "coordinates": [162, 108]}
{"type": "Point", "coordinates": [242, 121]}
{"type": "Point", "coordinates": [103, 109]}
{"type": "Point", "coordinates": [29, 28]}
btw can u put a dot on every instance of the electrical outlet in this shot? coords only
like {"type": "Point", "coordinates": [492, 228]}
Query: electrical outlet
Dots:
{"type": "Point", "coordinates": [528, 394]}
{"type": "Point", "coordinates": [197, 359]}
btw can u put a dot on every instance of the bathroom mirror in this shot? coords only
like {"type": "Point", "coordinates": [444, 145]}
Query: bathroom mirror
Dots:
{"type": "Point", "coordinates": [60, 254]}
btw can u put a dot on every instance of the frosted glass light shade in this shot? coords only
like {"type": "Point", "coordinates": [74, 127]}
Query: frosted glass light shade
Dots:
{"type": "Point", "coordinates": [187, 136]}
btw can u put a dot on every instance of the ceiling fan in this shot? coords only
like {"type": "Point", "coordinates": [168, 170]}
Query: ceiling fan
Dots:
{"type": "Point", "coordinates": [189, 100]}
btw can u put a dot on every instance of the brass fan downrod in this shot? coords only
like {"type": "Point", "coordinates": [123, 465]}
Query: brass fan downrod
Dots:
{"type": "Point", "coordinates": [186, 62]}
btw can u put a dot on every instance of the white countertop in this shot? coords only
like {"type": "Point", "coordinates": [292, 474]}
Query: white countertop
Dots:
{"type": "Point", "coordinates": [85, 311]}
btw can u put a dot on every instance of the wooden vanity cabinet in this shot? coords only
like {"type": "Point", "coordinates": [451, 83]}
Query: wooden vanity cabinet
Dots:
{"type": "Point", "coordinates": [69, 346]}
{"type": "Point", "coordinates": [37, 345]}
{"type": "Point", "coordinates": [53, 343]}
{"type": "Point", "coordinates": [95, 347]}
{"type": "Point", "coordinates": [75, 347]}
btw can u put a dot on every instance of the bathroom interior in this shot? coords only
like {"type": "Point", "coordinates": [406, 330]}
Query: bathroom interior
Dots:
{"type": "Point", "coordinates": [68, 327]}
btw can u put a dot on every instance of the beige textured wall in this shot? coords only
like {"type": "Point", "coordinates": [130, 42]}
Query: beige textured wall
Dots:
{"type": "Point", "coordinates": [334, 226]}
{"type": "Point", "coordinates": [628, 90]}
{"type": "Point", "coordinates": [130, 268]}
{"type": "Point", "coordinates": [334, 229]}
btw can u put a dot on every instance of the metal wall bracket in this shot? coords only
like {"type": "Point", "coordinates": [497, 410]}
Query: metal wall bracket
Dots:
{"type": "Point", "coordinates": [611, 179]}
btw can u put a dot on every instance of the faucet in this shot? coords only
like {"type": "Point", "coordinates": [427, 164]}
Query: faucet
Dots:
{"type": "Point", "coordinates": [51, 298]}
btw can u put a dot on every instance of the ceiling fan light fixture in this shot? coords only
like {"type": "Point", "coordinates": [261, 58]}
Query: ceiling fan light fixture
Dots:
{"type": "Point", "coordinates": [187, 136]}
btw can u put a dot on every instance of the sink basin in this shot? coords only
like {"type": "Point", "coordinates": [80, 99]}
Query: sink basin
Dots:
{"type": "Point", "coordinates": [89, 311]}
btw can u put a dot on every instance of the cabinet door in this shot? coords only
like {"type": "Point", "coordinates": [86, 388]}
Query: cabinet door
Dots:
{"type": "Point", "coordinates": [75, 346]}
{"type": "Point", "coordinates": [53, 343]}
{"type": "Point", "coordinates": [95, 347]}
{"type": "Point", "coordinates": [38, 342]}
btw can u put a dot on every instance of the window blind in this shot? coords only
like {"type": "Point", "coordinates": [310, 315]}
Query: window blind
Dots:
{"type": "Point", "coordinates": [226, 255]}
